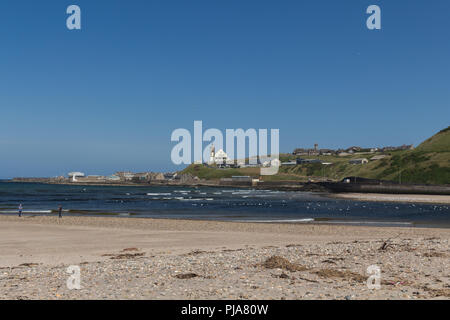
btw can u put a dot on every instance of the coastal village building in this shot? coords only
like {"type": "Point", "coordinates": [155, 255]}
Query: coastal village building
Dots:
{"type": "Point", "coordinates": [359, 161]}
{"type": "Point", "coordinates": [306, 161]}
{"type": "Point", "coordinates": [212, 156]}
{"type": "Point", "coordinates": [277, 163]}
{"type": "Point", "coordinates": [402, 147]}
{"type": "Point", "coordinates": [149, 176]}
{"type": "Point", "coordinates": [348, 151]}
{"type": "Point", "coordinates": [378, 157]}
{"type": "Point", "coordinates": [219, 157]}
{"type": "Point", "coordinates": [113, 178]}
{"type": "Point", "coordinates": [288, 163]}
{"type": "Point", "coordinates": [170, 175]}
{"type": "Point", "coordinates": [125, 175]}
{"type": "Point", "coordinates": [74, 175]}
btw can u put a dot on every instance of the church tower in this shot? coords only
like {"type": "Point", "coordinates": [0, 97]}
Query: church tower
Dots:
{"type": "Point", "coordinates": [212, 158]}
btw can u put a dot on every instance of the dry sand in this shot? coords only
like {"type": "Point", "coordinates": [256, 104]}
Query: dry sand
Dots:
{"type": "Point", "coordinates": [412, 198]}
{"type": "Point", "coordinates": [131, 258]}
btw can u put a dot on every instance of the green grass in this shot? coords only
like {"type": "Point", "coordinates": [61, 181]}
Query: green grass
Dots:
{"type": "Point", "coordinates": [440, 142]}
{"type": "Point", "coordinates": [428, 163]}
{"type": "Point", "coordinates": [207, 173]}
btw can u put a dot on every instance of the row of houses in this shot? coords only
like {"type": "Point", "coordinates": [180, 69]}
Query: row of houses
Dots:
{"type": "Point", "coordinates": [300, 161]}
{"type": "Point", "coordinates": [126, 176]}
{"type": "Point", "coordinates": [351, 150]}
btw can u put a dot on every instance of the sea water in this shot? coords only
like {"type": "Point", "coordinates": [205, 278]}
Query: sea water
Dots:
{"type": "Point", "coordinates": [214, 203]}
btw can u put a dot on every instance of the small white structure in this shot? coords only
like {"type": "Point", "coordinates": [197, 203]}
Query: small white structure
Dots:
{"type": "Point", "coordinates": [75, 175]}
{"type": "Point", "coordinates": [277, 163]}
{"type": "Point", "coordinates": [113, 178]}
{"type": "Point", "coordinates": [220, 157]}
{"type": "Point", "coordinates": [359, 161]}
{"type": "Point", "coordinates": [128, 176]}
{"type": "Point", "coordinates": [212, 155]}
{"type": "Point", "coordinates": [378, 157]}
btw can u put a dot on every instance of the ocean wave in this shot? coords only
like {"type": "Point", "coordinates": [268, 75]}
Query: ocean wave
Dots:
{"type": "Point", "coordinates": [197, 199]}
{"type": "Point", "coordinates": [367, 222]}
{"type": "Point", "coordinates": [160, 194]}
{"type": "Point", "coordinates": [26, 211]}
{"type": "Point", "coordinates": [280, 220]}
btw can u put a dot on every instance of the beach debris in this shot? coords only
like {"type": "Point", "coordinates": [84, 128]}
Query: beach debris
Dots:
{"type": "Point", "coordinates": [281, 276]}
{"type": "Point", "coordinates": [437, 292]}
{"type": "Point", "coordinates": [348, 275]}
{"type": "Point", "coordinates": [120, 256]}
{"type": "Point", "coordinates": [434, 254]}
{"type": "Point", "coordinates": [29, 264]}
{"type": "Point", "coordinates": [306, 279]}
{"type": "Point", "coordinates": [277, 262]}
{"type": "Point", "coordinates": [385, 246]}
{"type": "Point", "coordinates": [195, 252]}
{"type": "Point", "coordinates": [130, 249]}
{"type": "Point", "coordinates": [232, 250]}
{"type": "Point", "coordinates": [186, 275]}
{"type": "Point", "coordinates": [128, 255]}
{"type": "Point", "coordinates": [329, 261]}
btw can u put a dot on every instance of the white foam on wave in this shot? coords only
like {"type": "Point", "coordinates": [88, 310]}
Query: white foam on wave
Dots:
{"type": "Point", "coordinates": [196, 199]}
{"type": "Point", "coordinates": [281, 220]}
{"type": "Point", "coordinates": [367, 222]}
{"type": "Point", "coordinates": [159, 194]}
{"type": "Point", "coordinates": [124, 214]}
{"type": "Point", "coordinates": [27, 211]}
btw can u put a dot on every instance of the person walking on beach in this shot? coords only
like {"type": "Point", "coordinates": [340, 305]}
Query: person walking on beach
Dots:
{"type": "Point", "coordinates": [60, 211]}
{"type": "Point", "coordinates": [20, 210]}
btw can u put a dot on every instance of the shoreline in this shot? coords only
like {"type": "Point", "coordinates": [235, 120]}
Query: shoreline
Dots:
{"type": "Point", "coordinates": [373, 197]}
{"type": "Point", "coordinates": [369, 223]}
{"type": "Point", "coordinates": [183, 259]}
{"type": "Point", "coordinates": [385, 197]}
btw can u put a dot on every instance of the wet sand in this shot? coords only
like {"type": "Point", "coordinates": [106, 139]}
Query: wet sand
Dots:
{"type": "Point", "coordinates": [384, 197]}
{"type": "Point", "coordinates": [132, 258]}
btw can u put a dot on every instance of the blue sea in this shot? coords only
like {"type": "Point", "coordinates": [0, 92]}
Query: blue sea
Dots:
{"type": "Point", "coordinates": [214, 203]}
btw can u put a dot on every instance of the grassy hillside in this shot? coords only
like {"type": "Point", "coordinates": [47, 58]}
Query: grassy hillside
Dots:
{"type": "Point", "coordinates": [207, 173]}
{"type": "Point", "coordinates": [428, 163]}
{"type": "Point", "coordinates": [440, 142]}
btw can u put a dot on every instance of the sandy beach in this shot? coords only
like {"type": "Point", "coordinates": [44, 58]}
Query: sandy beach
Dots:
{"type": "Point", "coordinates": [131, 258]}
{"type": "Point", "coordinates": [384, 197]}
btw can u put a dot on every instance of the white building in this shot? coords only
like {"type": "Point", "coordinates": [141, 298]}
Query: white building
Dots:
{"type": "Point", "coordinates": [212, 155]}
{"type": "Point", "coordinates": [359, 161]}
{"type": "Point", "coordinates": [113, 178]}
{"type": "Point", "coordinates": [220, 157]}
{"type": "Point", "coordinates": [378, 157]}
{"type": "Point", "coordinates": [75, 175]}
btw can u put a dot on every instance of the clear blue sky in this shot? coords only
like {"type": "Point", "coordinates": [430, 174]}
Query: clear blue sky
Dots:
{"type": "Point", "coordinates": [107, 97]}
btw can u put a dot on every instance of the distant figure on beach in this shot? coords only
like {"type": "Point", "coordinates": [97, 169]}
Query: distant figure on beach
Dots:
{"type": "Point", "coordinates": [60, 211]}
{"type": "Point", "coordinates": [20, 210]}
